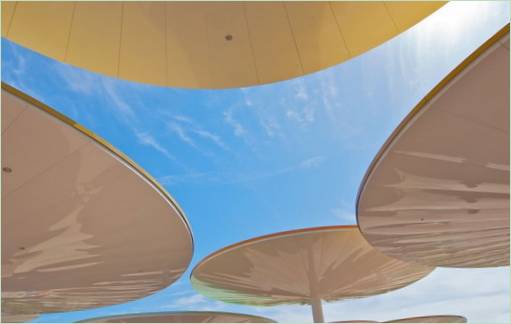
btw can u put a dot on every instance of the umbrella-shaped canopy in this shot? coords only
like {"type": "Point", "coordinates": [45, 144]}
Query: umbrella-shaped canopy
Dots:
{"type": "Point", "coordinates": [302, 267]}
{"type": "Point", "coordinates": [207, 44]}
{"type": "Point", "coordinates": [431, 319]}
{"type": "Point", "coordinates": [181, 317]}
{"type": "Point", "coordinates": [418, 319]}
{"type": "Point", "coordinates": [437, 193]}
{"type": "Point", "coordinates": [82, 225]}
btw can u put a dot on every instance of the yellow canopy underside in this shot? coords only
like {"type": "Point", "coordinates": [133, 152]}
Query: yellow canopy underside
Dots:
{"type": "Point", "coordinates": [207, 44]}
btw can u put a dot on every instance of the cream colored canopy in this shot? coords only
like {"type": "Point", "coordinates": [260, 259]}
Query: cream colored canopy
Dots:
{"type": "Point", "coordinates": [437, 193]}
{"type": "Point", "coordinates": [431, 319]}
{"type": "Point", "coordinates": [419, 319]}
{"type": "Point", "coordinates": [82, 225]}
{"type": "Point", "coordinates": [207, 44]}
{"type": "Point", "coordinates": [303, 267]}
{"type": "Point", "coordinates": [181, 317]}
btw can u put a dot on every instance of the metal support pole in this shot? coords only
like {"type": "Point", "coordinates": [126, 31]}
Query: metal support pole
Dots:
{"type": "Point", "coordinates": [317, 311]}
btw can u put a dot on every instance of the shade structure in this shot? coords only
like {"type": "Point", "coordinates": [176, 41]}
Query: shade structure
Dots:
{"type": "Point", "coordinates": [418, 319]}
{"type": "Point", "coordinates": [207, 44]}
{"type": "Point", "coordinates": [437, 193]}
{"type": "Point", "coordinates": [431, 319]}
{"type": "Point", "coordinates": [181, 317]}
{"type": "Point", "coordinates": [82, 225]}
{"type": "Point", "coordinates": [356, 321]}
{"type": "Point", "coordinates": [303, 267]}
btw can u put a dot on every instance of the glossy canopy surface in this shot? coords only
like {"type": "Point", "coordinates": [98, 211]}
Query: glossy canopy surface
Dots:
{"type": "Point", "coordinates": [326, 263]}
{"type": "Point", "coordinates": [438, 191]}
{"type": "Point", "coordinates": [182, 317]}
{"type": "Point", "coordinates": [82, 226]}
{"type": "Point", "coordinates": [207, 44]}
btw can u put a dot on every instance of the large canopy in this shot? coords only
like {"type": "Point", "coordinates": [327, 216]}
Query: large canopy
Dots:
{"type": "Point", "coordinates": [181, 317]}
{"type": "Point", "coordinates": [82, 225]}
{"type": "Point", "coordinates": [437, 193]}
{"type": "Point", "coordinates": [325, 263]}
{"type": "Point", "coordinates": [207, 44]}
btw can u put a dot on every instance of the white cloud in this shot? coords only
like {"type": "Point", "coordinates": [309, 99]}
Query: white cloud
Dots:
{"type": "Point", "coordinates": [181, 133]}
{"type": "Point", "coordinates": [238, 129]}
{"type": "Point", "coordinates": [173, 179]}
{"type": "Point", "coordinates": [300, 89]}
{"type": "Point", "coordinates": [304, 116]}
{"type": "Point", "coordinates": [19, 66]}
{"type": "Point", "coordinates": [80, 81]}
{"type": "Point", "coordinates": [248, 102]}
{"type": "Point", "coordinates": [190, 300]}
{"type": "Point", "coordinates": [210, 136]}
{"type": "Point", "coordinates": [312, 162]}
{"type": "Point", "coordinates": [194, 302]}
{"type": "Point", "coordinates": [124, 111]}
{"type": "Point", "coordinates": [181, 118]}
{"type": "Point", "coordinates": [186, 128]}
{"type": "Point", "coordinates": [146, 139]}
{"type": "Point", "coordinates": [236, 178]}
{"type": "Point", "coordinates": [344, 215]}
{"type": "Point", "coordinates": [18, 74]}
{"type": "Point", "coordinates": [270, 126]}
{"type": "Point", "coordinates": [309, 163]}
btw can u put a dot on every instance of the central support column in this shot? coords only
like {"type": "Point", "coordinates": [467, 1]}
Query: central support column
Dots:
{"type": "Point", "coordinates": [317, 311]}
{"type": "Point", "coordinates": [317, 308]}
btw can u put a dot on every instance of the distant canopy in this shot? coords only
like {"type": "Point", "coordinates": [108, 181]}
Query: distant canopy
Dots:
{"type": "Point", "coordinates": [207, 45]}
{"type": "Point", "coordinates": [418, 319]}
{"type": "Point", "coordinates": [181, 317]}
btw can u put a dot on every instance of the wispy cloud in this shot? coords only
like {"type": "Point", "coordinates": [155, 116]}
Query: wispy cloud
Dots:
{"type": "Point", "coordinates": [124, 110]}
{"type": "Point", "coordinates": [303, 116]}
{"type": "Point", "coordinates": [312, 162]}
{"type": "Point", "coordinates": [79, 81]}
{"type": "Point", "coordinates": [270, 126]}
{"type": "Point", "coordinates": [309, 163]}
{"type": "Point", "coordinates": [300, 90]}
{"type": "Point", "coordinates": [174, 179]}
{"type": "Point", "coordinates": [238, 129]}
{"type": "Point", "coordinates": [18, 74]}
{"type": "Point", "coordinates": [181, 134]}
{"type": "Point", "coordinates": [195, 302]}
{"type": "Point", "coordinates": [242, 177]}
{"type": "Point", "coordinates": [191, 132]}
{"type": "Point", "coordinates": [190, 300]}
{"type": "Point", "coordinates": [194, 127]}
{"type": "Point", "coordinates": [347, 217]}
{"type": "Point", "coordinates": [344, 213]}
{"type": "Point", "coordinates": [18, 63]}
{"type": "Point", "coordinates": [247, 97]}
{"type": "Point", "coordinates": [210, 136]}
{"type": "Point", "coordinates": [302, 110]}
{"type": "Point", "coordinates": [147, 139]}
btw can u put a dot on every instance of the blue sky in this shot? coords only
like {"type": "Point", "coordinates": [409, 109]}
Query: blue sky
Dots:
{"type": "Point", "coordinates": [257, 160]}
